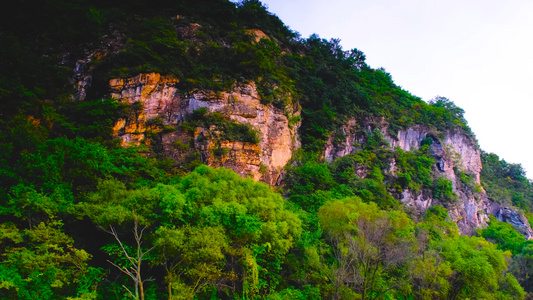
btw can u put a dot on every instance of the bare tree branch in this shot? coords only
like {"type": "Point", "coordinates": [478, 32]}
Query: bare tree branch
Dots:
{"type": "Point", "coordinates": [134, 270]}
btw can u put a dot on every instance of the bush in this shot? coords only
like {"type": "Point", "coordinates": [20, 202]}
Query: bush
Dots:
{"type": "Point", "coordinates": [443, 190]}
{"type": "Point", "coordinates": [225, 128]}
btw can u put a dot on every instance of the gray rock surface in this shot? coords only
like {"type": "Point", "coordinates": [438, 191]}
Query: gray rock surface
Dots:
{"type": "Point", "coordinates": [452, 151]}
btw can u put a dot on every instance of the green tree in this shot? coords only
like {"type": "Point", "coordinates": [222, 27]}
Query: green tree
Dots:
{"type": "Point", "coordinates": [443, 190]}
{"type": "Point", "coordinates": [477, 267]}
{"type": "Point", "coordinates": [371, 245]}
{"type": "Point", "coordinates": [192, 256]}
{"type": "Point", "coordinates": [210, 227]}
{"type": "Point", "coordinates": [41, 263]}
{"type": "Point", "coordinates": [504, 235]}
{"type": "Point", "coordinates": [521, 267]}
{"type": "Point", "coordinates": [429, 271]}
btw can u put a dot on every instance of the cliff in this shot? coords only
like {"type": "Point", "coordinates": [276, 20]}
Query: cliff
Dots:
{"type": "Point", "coordinates": [156, 97]}
{"type": "Point", "coordinates": [353, 162]}
{"type": "Point", "coordinates": [453, 152]}
{"type": "Point", "coordinates": [159, 109]}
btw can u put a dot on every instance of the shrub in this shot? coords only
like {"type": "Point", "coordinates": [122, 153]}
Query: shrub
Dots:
{"type": "Point", "coordinates": [443, 190]}
{"type": "Point", "coordinates": [225, 128]}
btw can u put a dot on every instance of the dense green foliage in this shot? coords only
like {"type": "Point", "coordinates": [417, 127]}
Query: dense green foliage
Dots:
{"type": "Point", "coordinates": [207, 228]}
{"type": "Point", "coordinates": [366, 174]}
{"type": "Point", "coordinates": [207, 46]}
{"type": "Point", "coordinates": [221, 127]}
{"type": "Point", "coordinates": [506, 183]}
{"type": "Point", "coordinates": [83, 218]}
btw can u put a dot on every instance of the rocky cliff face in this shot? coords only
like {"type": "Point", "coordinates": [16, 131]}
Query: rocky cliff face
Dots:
{"type": "Point", "coordinates": [452, 151]}
{"type": "Point", "coordinates": [150, 95]}
{"type": "Point", "coordinates": [82, 76]}
{"type": "Point", "coordinates": [156, 97]}
{"type": "Point", "coordinates": [456, 151]}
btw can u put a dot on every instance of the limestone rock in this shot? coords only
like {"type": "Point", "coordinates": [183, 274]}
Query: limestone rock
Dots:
{"type": "Point", "coordinates": [82, 67]}
{"type": "Point", "coordinates": [453, 150]}
{"type": "Point", "coordinates": [519, 221]}
{"type": "Point", "coordinates": [157, 96]}
{"type": "Point", "coordinates": [278, 140]}
{"type": "Point", "coordinates": [189, 31]}
{"type": "Point", "coordinates": [349, 145]}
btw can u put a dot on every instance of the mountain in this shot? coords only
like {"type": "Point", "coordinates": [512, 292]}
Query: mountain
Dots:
{"type": "Point", "coordinates": [347, 186]}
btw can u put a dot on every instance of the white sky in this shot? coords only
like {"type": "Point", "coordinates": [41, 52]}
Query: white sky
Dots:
{"type": "Point", "coordinates": [477, 53]}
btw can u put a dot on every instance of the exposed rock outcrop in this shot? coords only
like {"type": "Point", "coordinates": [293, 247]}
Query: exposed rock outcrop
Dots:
{"type": "Point", "coordinates": [452, 151]}
{"type": "Point", "coordinates": [82, 76]}
{"type": "Point", "coordinates": [157, 96]}
{"type": "Point", "coordinates": [519, 221]}
{"type": "Point", "coordinates": [458, 151]}
{"type": "Point", "coordinates": [257, 34]}
{"type": "Point", "coordinates": [151, 95]}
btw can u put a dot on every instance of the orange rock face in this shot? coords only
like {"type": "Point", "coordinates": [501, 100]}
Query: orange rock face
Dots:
{"type": "Point", "coordinates": [156, 99]}
{"type": "Point", "coordinates": [257, 34]}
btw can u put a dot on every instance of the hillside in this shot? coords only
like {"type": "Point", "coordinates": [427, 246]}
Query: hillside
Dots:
{"type": "Point", "coordinates": [202, 149]}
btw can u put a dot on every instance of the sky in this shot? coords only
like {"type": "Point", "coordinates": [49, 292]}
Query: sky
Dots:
{"type": "Point", "coordinates": [477, 53]}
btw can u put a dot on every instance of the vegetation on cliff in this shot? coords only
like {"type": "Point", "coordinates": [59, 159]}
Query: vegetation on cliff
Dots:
{"type": "Point", "coordinates": [83, 218]}
{"type": "Point", "coordinates": [505, 182]}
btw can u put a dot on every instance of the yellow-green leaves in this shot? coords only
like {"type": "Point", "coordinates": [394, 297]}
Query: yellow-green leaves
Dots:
{"type": "Point", "coordinates": [338, 216]}
{"type": "Point", "coordinates": [205, 228]}
{"type": "Point", "coordinates": [369, 244]}
{"type": "Point", "coordinates": [42, 263]}
{"type": "Point", "coordinates": [477, 265]}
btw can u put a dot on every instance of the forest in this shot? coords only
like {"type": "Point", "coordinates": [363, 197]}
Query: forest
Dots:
{"type": "Point", "coordinates": [82, 217]}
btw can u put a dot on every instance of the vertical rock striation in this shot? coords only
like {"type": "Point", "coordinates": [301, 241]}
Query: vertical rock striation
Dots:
{"type": "Point", "coordinates": [453, 151]}
{"type": "Point", "coordinates": [157, 97]}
